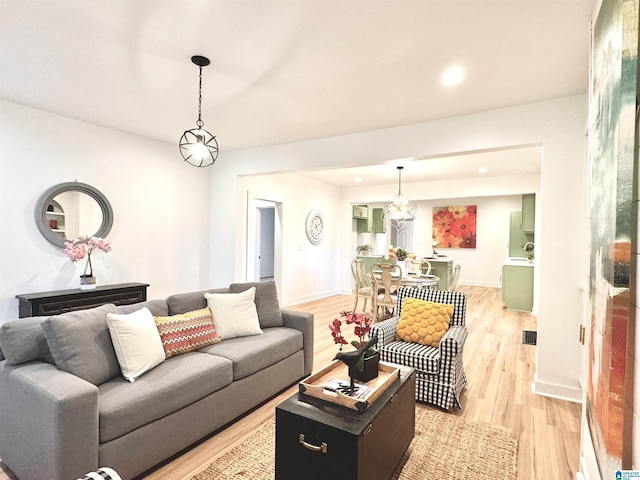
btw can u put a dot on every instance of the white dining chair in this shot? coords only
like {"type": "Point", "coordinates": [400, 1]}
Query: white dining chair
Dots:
{"type": "Point", "coordinates": [454, 278]}
{"type": "Point", "coordinates": [362, 288]}
{"type": "Point", "coordinates": [385, 278]}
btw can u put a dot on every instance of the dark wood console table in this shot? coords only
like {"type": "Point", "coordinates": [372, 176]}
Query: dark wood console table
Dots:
{"type": "Point", "coordinates": [61, 301]}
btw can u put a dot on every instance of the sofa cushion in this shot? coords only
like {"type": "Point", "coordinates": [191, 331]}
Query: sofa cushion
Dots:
{"type": "Point", "coordinates": [80, 343]}
{"type": "Point", "coordinates": [186, 332]}
{"type": "Point", "coordinates": [187, 302]}
{"type": "Point", "coordinates": [157, 308]}
{"type": "Point", "coordinates": [172, 385]}
{"type": "Point", "coordinates": [23, 341]}
{"type": "Point", "coordinates": [423, 322]}
{"type": "Point", "coordinates": [234, 314]}
{"type": "Point", "coordinates": [136, 341]}
{"type": "Point", "coordinates": [266, 301]}
{"type": "Point", "coordinates": [254, 353]}
{"type": "Point", "coordinates": [421, 357]}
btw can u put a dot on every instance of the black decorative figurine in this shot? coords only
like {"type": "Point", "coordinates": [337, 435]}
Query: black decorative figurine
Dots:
{"type": "Point", "coordinates": [355, 359]}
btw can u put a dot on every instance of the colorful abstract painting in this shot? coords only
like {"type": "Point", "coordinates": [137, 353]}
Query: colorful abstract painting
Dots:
{"type": "Point", "coordinates": [454, 227]}
{"type": "Point", "coordinates": [612, 137]}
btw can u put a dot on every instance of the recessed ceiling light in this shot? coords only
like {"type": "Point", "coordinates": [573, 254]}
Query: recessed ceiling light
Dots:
{"type": "Point", "coordinates": [483, 170]}
{"type": "Point", "coordinates": [452, 76]}
{"type": "Point", "coordinates": [357, 179]}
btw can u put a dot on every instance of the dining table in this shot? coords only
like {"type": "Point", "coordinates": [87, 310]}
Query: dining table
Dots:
{"type": "Point", "coordinates": [413, 279]}
{"type": "Point", "coordinates": [419, 280]}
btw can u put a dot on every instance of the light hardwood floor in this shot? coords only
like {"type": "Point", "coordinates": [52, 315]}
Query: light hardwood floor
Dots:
{"type": "Point", "coordinates": [499, 369]}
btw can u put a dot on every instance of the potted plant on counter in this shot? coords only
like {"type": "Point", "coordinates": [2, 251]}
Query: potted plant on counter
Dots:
{"type": "Point", "coordinates": [364, 250]}
{"type": "Point", "coordinates": [528, 250]}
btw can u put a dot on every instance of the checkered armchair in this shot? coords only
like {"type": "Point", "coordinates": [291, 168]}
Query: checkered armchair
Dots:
{"type": "Point", "coordinates": [440, 374]}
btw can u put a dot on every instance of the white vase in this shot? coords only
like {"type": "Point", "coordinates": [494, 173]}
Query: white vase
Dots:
{"type": "Point", "coordinates": [402, 267]}
{"type": "Point", "coordinates": [87, 282]}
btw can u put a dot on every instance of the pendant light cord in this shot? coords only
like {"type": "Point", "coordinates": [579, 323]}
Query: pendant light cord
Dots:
{"type": "Point", "coordinates": [200, 123]}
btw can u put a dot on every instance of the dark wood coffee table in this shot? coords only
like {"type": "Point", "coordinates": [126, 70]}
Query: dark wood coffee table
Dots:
{"type": "Point", "coordinates": [318, 440]}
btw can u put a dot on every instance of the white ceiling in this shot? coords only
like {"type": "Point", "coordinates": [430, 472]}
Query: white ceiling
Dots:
{"type": "Point", "coordinates": [286, 70]}
{"type": "Point", "coordinates": [516, 161]}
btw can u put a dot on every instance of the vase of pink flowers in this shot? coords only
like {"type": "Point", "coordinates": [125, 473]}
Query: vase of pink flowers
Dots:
{"type": "Point", "coordinates": [82, 247]}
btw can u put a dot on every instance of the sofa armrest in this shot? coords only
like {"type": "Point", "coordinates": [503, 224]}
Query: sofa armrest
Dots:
{"type": "Point", "coordinates": [48, 420]}
{"type": "Point", "coordinates": [451, 347]}
{"type": "Point", "coordinates": [386, 331]}
{"type": "Point", "coordinates": [302, 321]}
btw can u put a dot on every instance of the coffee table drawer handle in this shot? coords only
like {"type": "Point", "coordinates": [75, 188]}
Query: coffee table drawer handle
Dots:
{"type": "Point", "coordinates": [322, 448]}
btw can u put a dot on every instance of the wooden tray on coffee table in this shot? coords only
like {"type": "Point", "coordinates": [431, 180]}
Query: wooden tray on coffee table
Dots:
{"type": "Point", "coordinates": [314, 386]}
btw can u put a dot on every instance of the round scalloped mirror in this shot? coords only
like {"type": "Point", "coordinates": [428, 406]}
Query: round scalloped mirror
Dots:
{"type": "Point", "coordinates": [69, 210]}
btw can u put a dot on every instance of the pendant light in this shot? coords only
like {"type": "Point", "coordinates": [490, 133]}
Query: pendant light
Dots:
{"type": "Point", "coordinates": [198, 147]}
{"type": "Point", "coordinates": [400, 209]}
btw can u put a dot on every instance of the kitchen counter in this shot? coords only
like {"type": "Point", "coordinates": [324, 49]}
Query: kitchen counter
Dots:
{"type": "Point", "coordinates": [517, 262]}
{"type": "Point", "coordinates": [517, 284]}
{"type": "Point", "coordinates": [441, 267]}
{"type": "Point", "coordinates": [439, 258]}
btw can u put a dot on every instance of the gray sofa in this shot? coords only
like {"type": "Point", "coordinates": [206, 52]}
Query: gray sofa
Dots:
{"type": "Point", "coordinates": [58, 426]}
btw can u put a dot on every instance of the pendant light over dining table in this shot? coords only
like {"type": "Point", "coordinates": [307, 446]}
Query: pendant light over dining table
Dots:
{"type": "Point", "coordinates": [400, 209]}
{"type": "Point", "coordinates": [198, 147]}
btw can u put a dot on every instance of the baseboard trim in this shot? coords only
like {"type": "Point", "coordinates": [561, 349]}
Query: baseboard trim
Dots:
{"type": "Point", "coordinates": [309, 298]}
{"type": "Point", "coordinates": [561, 392]}
{"type": "Point", "coordinates": [481, 284]}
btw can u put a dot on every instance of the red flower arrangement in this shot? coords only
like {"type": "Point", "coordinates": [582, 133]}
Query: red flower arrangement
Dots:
{"type": "Point", "coordinates": [361, 328]}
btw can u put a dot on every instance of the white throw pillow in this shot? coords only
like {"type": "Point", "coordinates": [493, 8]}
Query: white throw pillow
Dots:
{"type": "Point", "coordinates": [136, 341]}
{"type": "Point", "coordinates": [234, 314]}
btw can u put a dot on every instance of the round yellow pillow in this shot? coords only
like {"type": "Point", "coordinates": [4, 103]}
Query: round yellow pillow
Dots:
{"type": "Point", "coordinates": [423, 322]}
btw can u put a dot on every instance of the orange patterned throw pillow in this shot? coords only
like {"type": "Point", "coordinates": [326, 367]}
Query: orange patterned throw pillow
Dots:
{"type": "Point", "coordinates": [186, 332]}
{"type": "Point", "coordinates": [423, 322]}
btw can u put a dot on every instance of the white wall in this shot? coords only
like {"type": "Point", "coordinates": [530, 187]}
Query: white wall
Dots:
{"type": "Point", "coordinates": [307, 271]}
{"type": "Point", "coordinates": [161, 213]}
{"type": "Point", "coordinates": [557, 125]}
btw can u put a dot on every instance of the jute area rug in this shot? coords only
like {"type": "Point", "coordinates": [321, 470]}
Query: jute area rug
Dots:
{"type": "Point", "coordinates": [445, 447]}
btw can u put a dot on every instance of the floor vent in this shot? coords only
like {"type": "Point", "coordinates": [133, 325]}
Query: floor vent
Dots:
{"type": "Point", "coordinates": [529, 337]}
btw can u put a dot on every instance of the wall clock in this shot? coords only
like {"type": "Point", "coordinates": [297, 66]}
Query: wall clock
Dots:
{"type": "Point", "coordinates": [314, 226]}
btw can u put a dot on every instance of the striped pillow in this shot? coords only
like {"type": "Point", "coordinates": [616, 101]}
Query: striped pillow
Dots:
{"type": "Point", "coordinates": [186, 332]}
{"type": "Point", "coordinates": [104, 473]}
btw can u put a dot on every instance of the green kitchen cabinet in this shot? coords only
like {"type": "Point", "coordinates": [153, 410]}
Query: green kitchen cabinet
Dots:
{"type": "Point", "coordinates": [364, 219]}
{"type": "Point", "coordinates": [529, 213]}
{"type": "Point", "coordinates": [517, 285]}
{"type": "Point", "coordinates": [517, 238]}
{"type": "Point", "coordinates": [379, 225]}
{"type": "Point", "coordinates": [360, 212]}
{"type": "Point", "coordinates": [443, 268]}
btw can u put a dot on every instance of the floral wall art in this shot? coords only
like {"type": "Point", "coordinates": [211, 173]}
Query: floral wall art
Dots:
{"type": "Point", "coordinates": [455, 226]}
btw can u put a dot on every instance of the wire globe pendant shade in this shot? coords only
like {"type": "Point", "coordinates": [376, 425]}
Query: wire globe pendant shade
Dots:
{"type": "Point", "coordinates": [400, 210]}
{"type": "Point", "coordinates": [198, 147]}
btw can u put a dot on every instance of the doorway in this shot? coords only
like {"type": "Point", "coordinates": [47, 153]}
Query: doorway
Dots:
{"type": "Point", "coordinates": [266, 233]}
{"type": "Point", "coordinates": [264, 240]}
